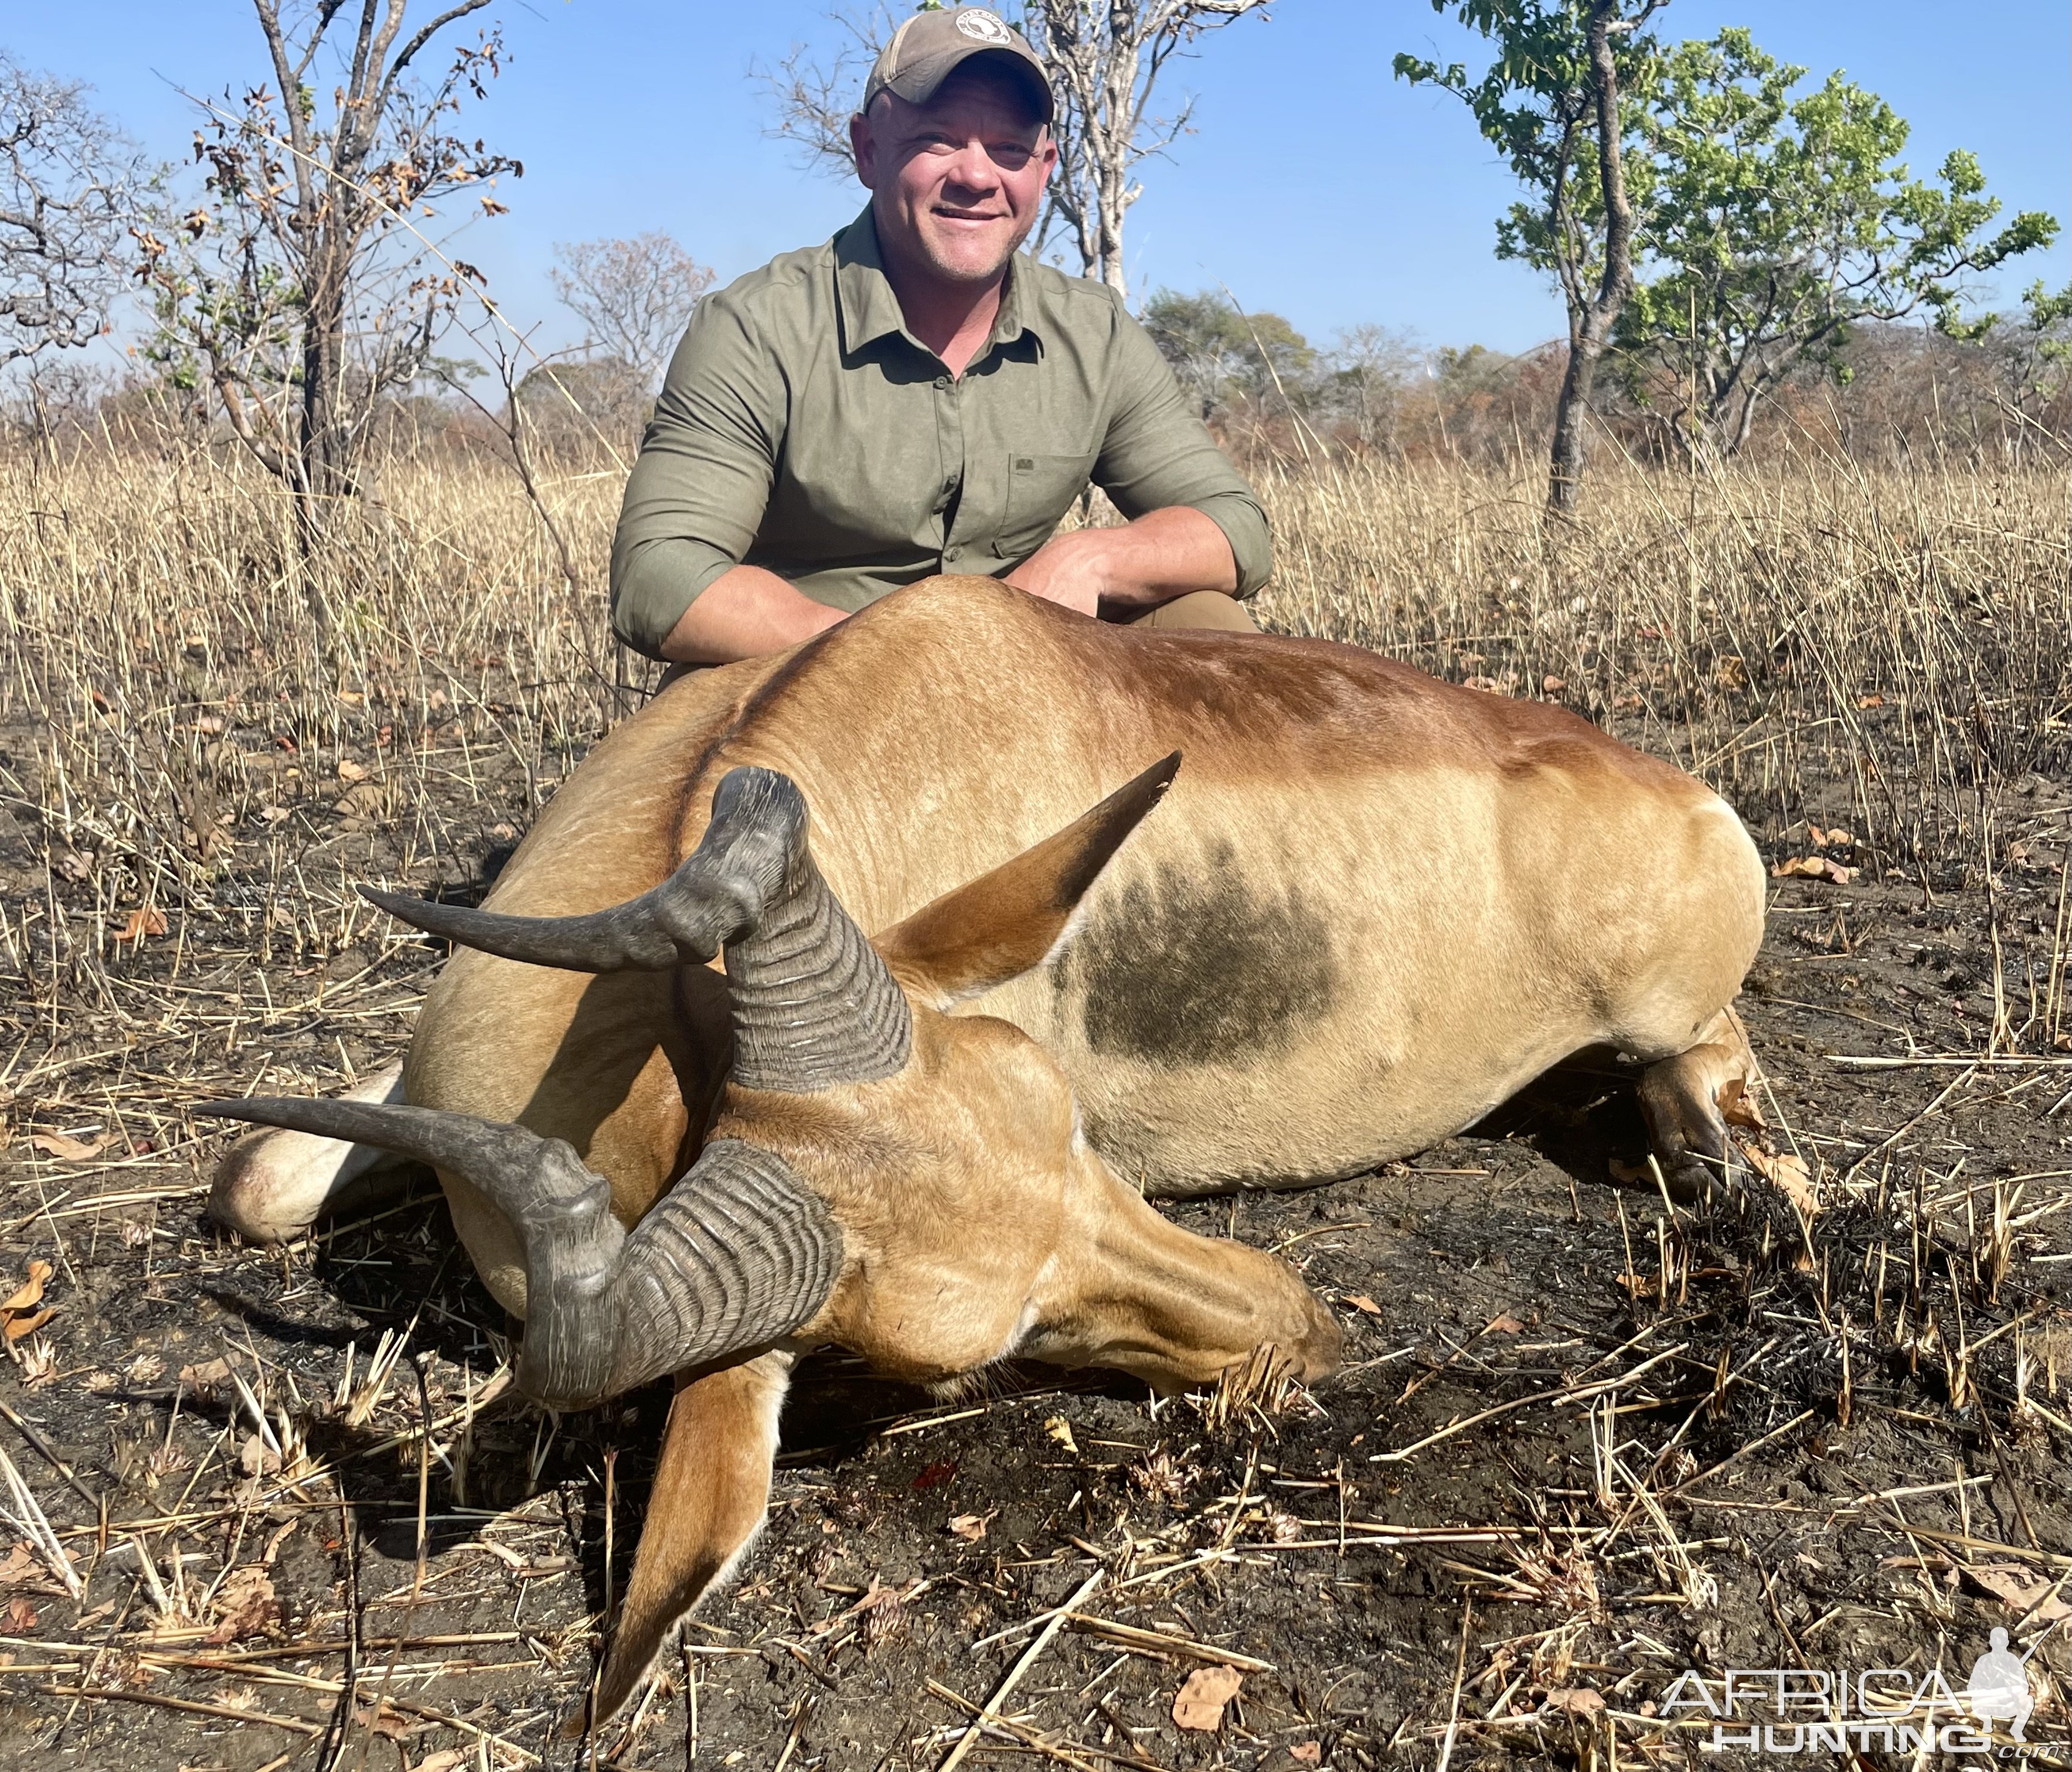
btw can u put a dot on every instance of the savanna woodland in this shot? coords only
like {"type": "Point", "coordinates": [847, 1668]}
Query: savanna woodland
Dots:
{"type": "Point", "coordinates": [309, 593]}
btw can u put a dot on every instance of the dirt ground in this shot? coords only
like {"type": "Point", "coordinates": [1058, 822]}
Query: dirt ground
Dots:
{"type": "Point", "coordinates": [1577, 1450]}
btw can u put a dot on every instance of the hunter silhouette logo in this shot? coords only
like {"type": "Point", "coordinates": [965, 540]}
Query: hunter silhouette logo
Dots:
{"type": "Point", "coordinates": [1998, 1690]}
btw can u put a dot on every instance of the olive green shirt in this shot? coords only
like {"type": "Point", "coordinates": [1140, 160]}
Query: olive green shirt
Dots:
{"type": "Point", "coordinates": [804, 429]}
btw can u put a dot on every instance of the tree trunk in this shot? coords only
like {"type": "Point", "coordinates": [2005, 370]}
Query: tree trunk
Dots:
{"type": "Point", "coordinates": [1590, 330]}
{"type": "Point", "coordinates": [323, 471]}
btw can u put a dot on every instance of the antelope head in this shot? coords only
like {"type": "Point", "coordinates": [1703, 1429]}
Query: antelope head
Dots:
{"type": "Point", "coordinates": [881, 1175]}
{"type": "Point", "coordinates": [907, 1183]}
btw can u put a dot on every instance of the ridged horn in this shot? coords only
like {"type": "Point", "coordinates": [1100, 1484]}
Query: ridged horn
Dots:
{"type": "Point", "coordinates": [737, 1255]}
{"type": "Point", "coordinates": [813, 1004]}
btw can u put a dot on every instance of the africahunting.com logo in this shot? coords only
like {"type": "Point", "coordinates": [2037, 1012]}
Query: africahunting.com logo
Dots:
{"type": "Point", "coordinates": [1889, 1710]}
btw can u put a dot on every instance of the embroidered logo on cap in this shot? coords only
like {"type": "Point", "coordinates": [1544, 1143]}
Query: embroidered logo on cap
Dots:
{"type": "Point", "coordinates": [975, 21]}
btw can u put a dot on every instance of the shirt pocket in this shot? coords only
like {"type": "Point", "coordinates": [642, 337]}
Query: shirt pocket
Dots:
{"type": "Point", "coordinates": [1040, 491]}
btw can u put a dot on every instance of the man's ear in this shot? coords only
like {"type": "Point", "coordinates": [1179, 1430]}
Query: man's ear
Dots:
{"type": "Point", "coordinates": [996, 927]}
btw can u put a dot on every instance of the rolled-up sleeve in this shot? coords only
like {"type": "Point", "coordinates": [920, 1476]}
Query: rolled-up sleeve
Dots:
{"type": "Point", "coordinates": [1157, 454]}
{"type": "Point", "coordinates": [697, 492]}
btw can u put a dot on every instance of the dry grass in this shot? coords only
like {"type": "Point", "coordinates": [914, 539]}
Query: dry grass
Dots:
{"type": "Point", "coordinates": [1809, 637]}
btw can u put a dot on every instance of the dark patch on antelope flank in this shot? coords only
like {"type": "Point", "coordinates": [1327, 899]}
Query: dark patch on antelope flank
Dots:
{"type": "Point", "coordinates": [1201, 967]}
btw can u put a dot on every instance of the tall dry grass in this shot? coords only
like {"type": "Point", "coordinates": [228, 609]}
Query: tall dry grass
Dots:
{"type": "Point", "coordinates": [1778, 629]}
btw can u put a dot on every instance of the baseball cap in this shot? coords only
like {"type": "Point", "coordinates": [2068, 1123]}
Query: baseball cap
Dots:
{"type": "Point", "coordinates": [925, 50]}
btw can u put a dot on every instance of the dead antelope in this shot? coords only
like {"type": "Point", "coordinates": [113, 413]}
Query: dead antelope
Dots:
{"type": "Point", "coordinates": [1370, 907]}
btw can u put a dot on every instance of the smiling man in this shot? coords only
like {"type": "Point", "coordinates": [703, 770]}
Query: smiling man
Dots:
{"type": "Point", "coordinates": [913, 398]}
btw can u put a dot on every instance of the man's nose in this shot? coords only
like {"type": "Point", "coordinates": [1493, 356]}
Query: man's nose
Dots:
{"type": "Point", "coordinates": [971, 170]}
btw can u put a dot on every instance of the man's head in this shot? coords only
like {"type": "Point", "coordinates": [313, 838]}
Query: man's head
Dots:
{"type": "Point", "coordinates": [954, 144]}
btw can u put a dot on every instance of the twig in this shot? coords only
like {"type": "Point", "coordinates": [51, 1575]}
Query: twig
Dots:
{"type": "Point", "coordinates": [969, 1738]}
{"type": "Point", "coordinates": [1564, 1396]}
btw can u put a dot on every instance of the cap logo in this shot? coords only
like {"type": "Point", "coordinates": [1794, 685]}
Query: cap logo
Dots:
{"type": "Point", "coordinates": [984, 27]}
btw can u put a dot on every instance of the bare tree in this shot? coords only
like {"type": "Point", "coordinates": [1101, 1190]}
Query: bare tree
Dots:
{"type": "Point", "coordinates": [634, 295]}
{"type": "Point", "coordinates": [299, 289]}
{"type": "Point", "coordinates": [1104, 58]}
{"type": "Point", "coordinates": [67, 181]}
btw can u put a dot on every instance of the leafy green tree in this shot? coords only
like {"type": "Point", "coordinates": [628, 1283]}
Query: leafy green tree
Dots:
{"type": "Point", "coordinates": [1223, 355]}
{"type": "Point", "coordinates": [2038, 346]}
{"type": "Point", "coordinates": [1557, 102]}
{"type": "Point", "coordinates": [1777, 222]}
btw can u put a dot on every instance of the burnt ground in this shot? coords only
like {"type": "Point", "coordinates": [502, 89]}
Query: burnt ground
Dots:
{"type": "Point", "coordinates": [1577, 1449]}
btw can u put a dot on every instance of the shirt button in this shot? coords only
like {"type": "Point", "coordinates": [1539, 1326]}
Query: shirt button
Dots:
{"type": "Point", "coordinates": [943, 382]}
{"type": "Point", "coordinates": [952, 555]}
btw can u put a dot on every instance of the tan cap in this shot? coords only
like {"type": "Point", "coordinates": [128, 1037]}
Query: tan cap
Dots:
{"type": "Point", "coordinates": [929, 45]}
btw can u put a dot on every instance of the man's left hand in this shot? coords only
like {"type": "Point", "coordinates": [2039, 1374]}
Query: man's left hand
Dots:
{"type": "Point", "coordinates": [1132, 568]}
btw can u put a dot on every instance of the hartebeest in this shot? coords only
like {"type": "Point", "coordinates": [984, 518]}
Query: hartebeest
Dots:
{"type": "Point", "coordinates": [1370, 907]}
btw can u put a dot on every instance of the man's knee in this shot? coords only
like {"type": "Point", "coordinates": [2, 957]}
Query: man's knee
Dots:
{"type": "Point", "coordinates": [1211, 609]}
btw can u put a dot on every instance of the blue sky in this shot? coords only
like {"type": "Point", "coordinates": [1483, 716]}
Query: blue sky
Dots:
{"type": "Point", "coordinates": [1315, 183]}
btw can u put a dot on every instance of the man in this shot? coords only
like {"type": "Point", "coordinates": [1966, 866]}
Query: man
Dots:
{"type": "Point", "coordinates": [913, 398]}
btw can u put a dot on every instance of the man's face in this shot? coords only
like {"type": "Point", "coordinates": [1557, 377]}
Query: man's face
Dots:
{"type": "Point", "coordinates": [956, 184]}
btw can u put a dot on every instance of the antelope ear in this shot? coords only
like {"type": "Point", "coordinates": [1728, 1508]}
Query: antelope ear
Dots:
{"type": "Point", "coordinates": [996, 927]}
{"type": "Point", "coordinates": [711, 1493]}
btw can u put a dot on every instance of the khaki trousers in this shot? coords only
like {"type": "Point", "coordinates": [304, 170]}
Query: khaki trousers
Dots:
{"type": "Point", "coordinates": [1199, 609]}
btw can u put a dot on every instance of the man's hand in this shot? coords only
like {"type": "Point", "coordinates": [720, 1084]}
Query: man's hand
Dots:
{"type": "Point", "coordinates": [743, 613]}
{"type": "Point", "coordinates": [1125, 570]}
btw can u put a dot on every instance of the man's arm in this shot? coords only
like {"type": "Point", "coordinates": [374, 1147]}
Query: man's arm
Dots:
{"type": "Point", "coordinates": [743, 613]}
{"type": "Point", "coordinates": [695, 500]}
{"type": "Point", "coordinates": [1197, 525]}
{"type": "Point", "coordinates": [1163, 555]}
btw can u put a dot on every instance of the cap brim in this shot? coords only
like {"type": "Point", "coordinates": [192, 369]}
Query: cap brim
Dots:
{"type": "Point", "coordinates": [921, 82]}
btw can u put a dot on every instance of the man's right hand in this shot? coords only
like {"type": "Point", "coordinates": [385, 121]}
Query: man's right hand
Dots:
{"type": "Point", "coordinates": [743, 613]}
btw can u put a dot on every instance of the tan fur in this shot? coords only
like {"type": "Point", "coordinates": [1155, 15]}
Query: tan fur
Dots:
{"type": "Point", "coordinates": [1371, 907]}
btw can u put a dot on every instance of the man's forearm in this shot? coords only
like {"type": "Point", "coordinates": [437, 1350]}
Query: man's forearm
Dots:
{"type": "Point", "coordinates": [1163, 555]}
{"type": "Point", "coordinates": [743, 613]}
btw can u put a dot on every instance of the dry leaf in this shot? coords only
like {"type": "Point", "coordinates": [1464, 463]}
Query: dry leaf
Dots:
{"type": "Point", "coordinates": [29, 1292]}
{"type": "Point", "coordinates": [21, 1617]}
{"type": "Point", "coordinates": [74, 866]}
{"type": "Point", "coordinates": [244, 1604]}
{"type": "Point", "coordinates": [384, 1721]}
{"type": "Point", "coordinates": [15, 1328]}
{"type": "Point", "coordinates": [359, 802]}
{"type": "Point", "coordinates": [210, 1375]}
{"type": "Point", "coordinates": [969, 1526]}
{"type": "Point", "coordinates": [141, 922]}
{"type": "Point", "coordinates": [71, 1150]}
{"type": "Point", "coordinates": [1552, 685]}
{"type": "Point", "coordinates": [1061, 1430]}
{"type": "Point", "coordinates": [447, 1759]}
{"type": "Point", "coordinates": [1306, 1753]}
{"type": "Point", "coordinates": [256, 1459]}
{"type": "Point", "coordinates": [1199, 1704]}
{"type": "Point", "coordinates": [1359, 1300]}
{"type": "Point", "coordinates": [272, 814]}
{"type": "Point", "coordinates": [1737, 1105]}
{"type": "Point", "coordinates": [350, 771]}
{"type": "Point", "coordinates": [1507, 1325]}
{"type": "Point", "coordinates": [1787, 1174]}
{"type": "Point", "coordinates": [2019, 1590]}
{"type": "Point", "coordinates": [1870, 701]}
{"type": "Point", "coordinates": [1813, 867]}
{"type": "Point", "coordinates": [1577, 1700]}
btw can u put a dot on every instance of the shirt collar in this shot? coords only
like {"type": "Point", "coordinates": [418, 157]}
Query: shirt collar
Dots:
{"type": "Point", "coordinates": [870, 311]}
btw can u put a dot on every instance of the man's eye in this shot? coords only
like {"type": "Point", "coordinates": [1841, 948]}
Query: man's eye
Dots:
{"type": "Point", "coordinates": [1011, 157]}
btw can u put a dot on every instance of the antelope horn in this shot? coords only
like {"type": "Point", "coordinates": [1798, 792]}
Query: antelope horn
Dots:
{"type": "Point", "coordinates": [813, 1004]}
{"type": "Point", "coordinates": [737, 1255]}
